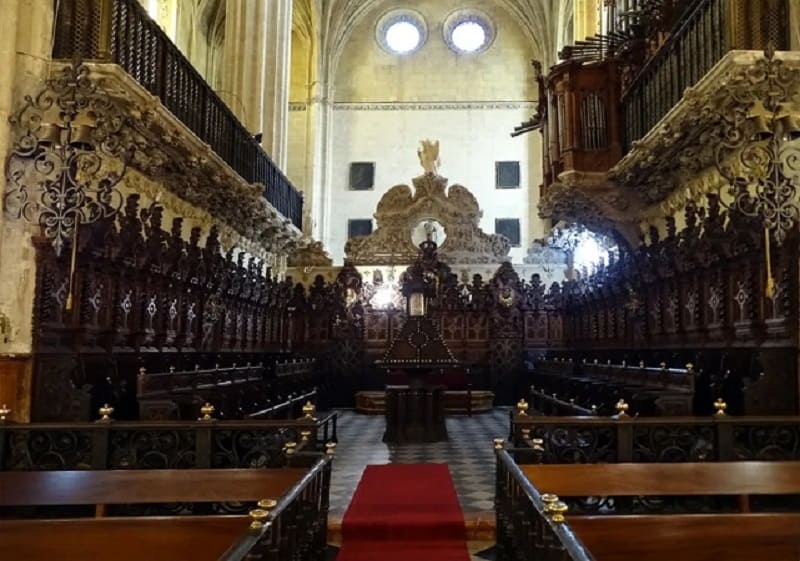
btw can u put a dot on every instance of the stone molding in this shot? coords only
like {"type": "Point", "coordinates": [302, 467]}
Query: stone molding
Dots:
{"type": "Point", "coordinates": [433, 105]}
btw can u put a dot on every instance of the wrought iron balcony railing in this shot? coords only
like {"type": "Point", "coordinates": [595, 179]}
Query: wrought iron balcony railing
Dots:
{"type": "Point", "coordinates": [709, 30]}
{"type": "Point", "coordinates": [121, 32]}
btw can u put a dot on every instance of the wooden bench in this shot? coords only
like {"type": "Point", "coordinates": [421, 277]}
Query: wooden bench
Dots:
{"type": "Point", "coordinates": [237, 392]}
{"type": "Point", "coordinates": [741, 536]}
{"type": "Point", "coordinates": [599, 386]}
{"type": "Point", "coordinates": [126, 538]}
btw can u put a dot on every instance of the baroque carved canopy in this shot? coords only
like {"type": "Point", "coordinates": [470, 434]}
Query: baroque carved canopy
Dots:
{"type": "Point", "coordinates": [400, 211]}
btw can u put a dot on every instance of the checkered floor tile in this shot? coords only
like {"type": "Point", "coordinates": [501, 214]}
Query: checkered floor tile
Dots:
{"type": "Point", "coordinates": [468, 453]}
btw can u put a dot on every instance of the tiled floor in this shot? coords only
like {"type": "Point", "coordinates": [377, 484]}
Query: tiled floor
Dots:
{"type": "Point", "coordinates": [468, 452]}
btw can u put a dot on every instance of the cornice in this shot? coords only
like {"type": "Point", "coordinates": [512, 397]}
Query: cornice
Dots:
{"type": "Point", "coordinates": [433, 105]}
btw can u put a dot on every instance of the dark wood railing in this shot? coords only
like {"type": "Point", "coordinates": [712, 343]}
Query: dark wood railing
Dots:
{"type": "Point", "coordinates": [296, 528]}
{"type": "Point", "coordinates": [705, 34]}
{"type": "Point", "coordinates": [121, 32]}
{"type": "Point", "coordinates": [524, 529]}
{"type": "Point", "coordinates": [158, 444]}
{"type": "Point", "coordinates": [720, 438]}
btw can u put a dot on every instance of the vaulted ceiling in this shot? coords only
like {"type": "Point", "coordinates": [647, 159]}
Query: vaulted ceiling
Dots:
{"type": "Point", "coordinates": [329, 23]}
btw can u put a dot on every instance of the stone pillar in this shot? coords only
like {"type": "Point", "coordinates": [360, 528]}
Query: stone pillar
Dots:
{"type": "Point", "coordinates": [244, 60]}
{"type": "Point", "coordinates": [319, 142]}
{"type": "Point", "coordinates": [794, 23]}
{"type": "Point", "coordinates": [25, 45]}
{"type": "Point", "coordinates": [586, 18]}
{"type": "Point", "coordinates": [277, 77]}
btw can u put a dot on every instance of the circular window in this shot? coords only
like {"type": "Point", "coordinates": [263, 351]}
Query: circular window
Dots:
{"type": "Point", "coordinates": [401, 32]}
{"type": "Point", "coordinates": [468, 31]}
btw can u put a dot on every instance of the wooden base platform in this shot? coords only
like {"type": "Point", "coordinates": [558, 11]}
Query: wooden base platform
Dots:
{"type": "Point", "coordinates": [455, 402]}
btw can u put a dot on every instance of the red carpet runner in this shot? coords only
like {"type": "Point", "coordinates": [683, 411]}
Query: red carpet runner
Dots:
{"type": "Point", "coordinates": [404, 512]}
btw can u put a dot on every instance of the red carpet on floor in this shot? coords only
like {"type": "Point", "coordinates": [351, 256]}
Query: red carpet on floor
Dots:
{"type": "Point", "coordinates": [404, 512]}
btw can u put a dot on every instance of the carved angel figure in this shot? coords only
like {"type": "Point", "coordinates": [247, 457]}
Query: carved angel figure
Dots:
{"type": "Point", "coordinates": [429, 156]}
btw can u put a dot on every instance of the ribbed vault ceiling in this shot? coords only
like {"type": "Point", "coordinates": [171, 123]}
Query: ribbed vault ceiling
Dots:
{"type": "Point", "coordinates": [332, 21]}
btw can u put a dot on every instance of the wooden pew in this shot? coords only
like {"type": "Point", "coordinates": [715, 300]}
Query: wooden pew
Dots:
{"type": "Point", "coordinates": [742, 536]}
{"type": "Point", "coordinates": [127, 538]}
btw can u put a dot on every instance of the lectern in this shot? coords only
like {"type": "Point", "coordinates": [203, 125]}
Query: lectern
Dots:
{"type": "Point", "coordinates": [415, 411]}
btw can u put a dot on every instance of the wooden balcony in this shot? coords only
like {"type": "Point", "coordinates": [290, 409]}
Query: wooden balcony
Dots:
{"type": "Point", "coordinates": [612, 155]}
{"type": "Point", "coordinates": [122, 33]}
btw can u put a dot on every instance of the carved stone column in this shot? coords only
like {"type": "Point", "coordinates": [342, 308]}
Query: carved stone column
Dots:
{"type": "Point", "coordinates": [277, 75]}
{"type": "Point", "coordinates": [318, 191]}
{"type": "Point", "coordinates": [244, 55]}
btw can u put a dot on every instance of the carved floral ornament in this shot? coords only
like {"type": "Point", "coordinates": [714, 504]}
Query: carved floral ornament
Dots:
{"type": "Point", "coordinates": [400, 211]}
{"type": "Point", "coordinates": [91, 125]}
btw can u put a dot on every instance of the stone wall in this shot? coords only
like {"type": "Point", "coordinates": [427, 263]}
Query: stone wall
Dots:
{"type": "Point", "coordinates": [384, 104]}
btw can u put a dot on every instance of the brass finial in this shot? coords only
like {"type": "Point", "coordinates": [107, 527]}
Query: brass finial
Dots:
{"type": "Point", "coordinates": [267, 504]}
{"type": "Point", "coordinates": [663, 365]}
{"type": "Point", "coordinates": [622, 408]}
{"type": "Point", "coordinates": [330, 448]}
{"type": "Point", "coordinates": [594, 409]}
{"type": "Point", "coordinates": [308, 410]}
{"type": "Point", "coordinates": [720, 406]}
{"type": "Point", "coordinates": [4, 412]}
{"type": "Point", "coordinates": [142, 371]}
{"type": "Point", "coordinates": [304, 434]}
{"type": "Point", "coordinates": [538, 445]}
{"type": "Point", "coordinates": [557, 512]}
{"type": "Point", "coordinates": [105, 413]}
{"type": "Point", "coordinates": [526, 433]}
{"type": "Point", "coordinates": [289, 448]}
{"type": "Point", "coordinates": [257, 517]}
{"type": "Point", "coordinates": [689, 368]}
{"type": "Point", "coordinates": [548, 500]}
{"type": "Point", "coordinates": [499, 443]}
{"type": "Point", "coordinates": [572, 401]}
{"type": "Point", "coordinates": [206, 411]}
{"type": "Point", "coordinates": [522, 408]}
{"type": "Point", "coordinates": [641, 364]}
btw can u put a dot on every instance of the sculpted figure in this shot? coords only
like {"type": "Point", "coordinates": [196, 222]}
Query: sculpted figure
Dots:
{"type": "Point", "coordinates": [429, 156]}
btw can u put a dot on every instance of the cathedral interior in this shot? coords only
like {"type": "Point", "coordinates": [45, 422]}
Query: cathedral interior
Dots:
{"type": "Point", "coordinates": [360, 280]}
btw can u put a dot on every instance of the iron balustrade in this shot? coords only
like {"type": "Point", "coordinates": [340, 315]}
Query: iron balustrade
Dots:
{"type": "Point", "coordinates": [701, 39]}
{"type": "Point", "coordinates": [121, 32]}
{"type": "Point", "coordinates": [524, 529]}
{"type": "Point", "coordinates": [718, 438]}
{"type": "Point", "coordinates": [296, 527]}
{"type": "Point", "coordinates": [158, 444]}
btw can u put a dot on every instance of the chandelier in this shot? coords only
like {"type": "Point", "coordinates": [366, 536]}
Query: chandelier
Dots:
{"type": "Point", "coordinates": [758, 152]}
{"type": "Point", "coordinates": [69, 156]}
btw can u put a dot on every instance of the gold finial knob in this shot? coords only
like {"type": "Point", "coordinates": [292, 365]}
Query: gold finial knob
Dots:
{"type": "Point", "coordinates": [526, 433]}
{"type": "Point", "coordinates": [257, 517]}
{"type": "Point", "coordinates": [663, 365]}
{"type": "Point", "coordinates": [720, 406]}
{"type": "Point", "coordinates": [304, 434]}
{"type": "Point", "coordinates": [689, 368]}
{"type": "Point", "coordinates": [522, 408]}
{"type": "Point", "coordinates": [308, 410]}
{"type": "Point", "coordinates": [105, 413]}
{"type": "Point", "coordinates": [538, 445]}
{"type": "Point", "coordinates": [267, 504]}
{"type": "Point", "coordinates": [548, 500]}
{"type": "Point", "coordinates": [557, 511]}
{"type": "Point", "coordinates": [206, 411]}
{"type": "Point", "coordinates": [4, 412]}
{"type": "Point", "coordinates": [572, 401]}
{"type": "Point", "coordinates": [330, 448]}
{"type": "Point", "coordinates": [641, 364]}
{"type": "Point", "coordinates": [499, 443]}
{"type": "Point", "coordinates": [289, 448]}
{"type": "Point", "coordinates": [142, 371]}
{"type": "Point", "coordinates": [594, 409]}
{"type": "Point", "coordinates": [622, 408]}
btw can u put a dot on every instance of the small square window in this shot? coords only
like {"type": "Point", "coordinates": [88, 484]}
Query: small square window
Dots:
{"type": "Point", "coordinates": [362, 176]}
{"type": "Point", "coordinates": [508, 227]}
{"type": "Point", "coordinates": [506, 175]}
{"type": "Point", "coordinates": [359, 227]}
